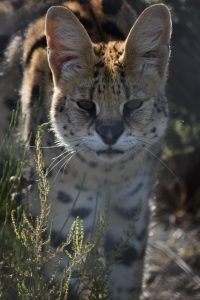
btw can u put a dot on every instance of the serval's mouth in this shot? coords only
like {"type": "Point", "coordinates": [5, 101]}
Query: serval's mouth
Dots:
{"type": "Point", "coordinates": [110, 152]}
{"type": "Point", "coordinates": [109, 155]}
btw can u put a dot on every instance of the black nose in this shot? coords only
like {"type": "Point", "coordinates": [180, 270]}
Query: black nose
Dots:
{"type": "Point", "coordinates": [109, 131]}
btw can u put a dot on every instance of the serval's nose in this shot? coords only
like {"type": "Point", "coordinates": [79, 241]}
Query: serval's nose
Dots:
{"type": "Point", "coordinates": [109, 131]}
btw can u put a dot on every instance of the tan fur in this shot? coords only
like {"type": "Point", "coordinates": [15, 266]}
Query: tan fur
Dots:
{"type": "Point", "coordinates": [123, 81]}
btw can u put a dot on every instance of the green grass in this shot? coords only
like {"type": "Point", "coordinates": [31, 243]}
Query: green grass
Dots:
{"type": "Point", "coordinates": [25, 241]}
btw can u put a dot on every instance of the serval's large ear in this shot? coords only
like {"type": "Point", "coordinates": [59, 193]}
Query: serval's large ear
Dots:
{"type": "Point", "coordinates": [148, 40]}
{"type": "Point", "coordinates": [70, 49]}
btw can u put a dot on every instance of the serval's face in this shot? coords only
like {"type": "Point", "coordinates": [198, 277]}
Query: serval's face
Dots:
{"type": "Point", "coordinates": [109, 98]}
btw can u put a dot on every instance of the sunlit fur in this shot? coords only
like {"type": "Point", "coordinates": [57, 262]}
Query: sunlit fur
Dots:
{"type": "Point", "coordinates": [111, 76]}
{"type": "Point", "coordinates": [83, 65]}
{"type": "Point", "coordinates": [109, 107]}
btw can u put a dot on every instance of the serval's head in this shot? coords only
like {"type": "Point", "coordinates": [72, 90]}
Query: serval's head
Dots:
{"type": "Point", "coordinates": [109, 98]}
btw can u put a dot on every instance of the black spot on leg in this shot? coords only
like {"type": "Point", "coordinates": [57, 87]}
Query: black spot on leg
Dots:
{"type": "Point", "coordinates": [128, 256]}
{"type": "Point", "coordinates": [81, 212]}
{"type": "Point", "coordinates": [65, 127]}
{"type": "Point", "coordinates": [111, 7]}
{"type": "Point", "coordinates": [64, 197]}
{"type": "Point", "coordinates": [109, 244]}
{"type": "Point", "coordinates": [153, 129]}
{"type": "Point", "coordinates": [57, 239]}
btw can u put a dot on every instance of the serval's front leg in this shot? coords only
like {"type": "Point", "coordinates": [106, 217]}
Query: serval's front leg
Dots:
{"type": "Point", "coordinates": [125, 246]}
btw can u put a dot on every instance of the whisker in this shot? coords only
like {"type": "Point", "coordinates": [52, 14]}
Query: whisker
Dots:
{"type": "Point", "coordinates": [134, 152]}
{"type": "Point", "coordinates": [143, 137]}
{"type": "Point", "coordinates": [143, 141]}
{"type": "Point", "coordinates": [63, 166]}
{"type": "Point", "coordinates": [69, 141]}
{"type": "Point", "coordinates": [147, 139]}
{"type": "Point", "coordinates": [59, 162]}
{"type": "Point", "coordinates": [162, 163]}
{"type": "Point", "coordinates": [55, 158]}
{"type": "Point", "coordinates": [83, 148]}
{"type": "Point", "coordinates": [66, 163]}
{"type": "Point", "coordinates": [46, 147]}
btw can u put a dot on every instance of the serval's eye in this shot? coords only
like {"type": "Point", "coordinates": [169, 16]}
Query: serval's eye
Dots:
{"type": "Point", "coordinates": [131, 105]}
{"type": "Point", "coordinates": [89, 106]}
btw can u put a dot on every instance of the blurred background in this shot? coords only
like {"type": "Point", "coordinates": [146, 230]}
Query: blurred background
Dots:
{"type": "Point", "coordinates": [173, 258]}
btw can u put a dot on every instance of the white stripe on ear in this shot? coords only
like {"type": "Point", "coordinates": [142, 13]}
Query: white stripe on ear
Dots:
{"type": "Point", "coordinates": [70, 48]}
{"type": "Point", "coordinates": [149, 38]}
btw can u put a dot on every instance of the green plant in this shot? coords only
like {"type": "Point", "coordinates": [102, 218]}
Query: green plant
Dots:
{"type": "Point", "coordinates": [30, 241]}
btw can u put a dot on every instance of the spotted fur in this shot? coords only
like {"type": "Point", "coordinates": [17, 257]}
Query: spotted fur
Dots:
{"type": "Point", "coordinates": [102, 86]}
